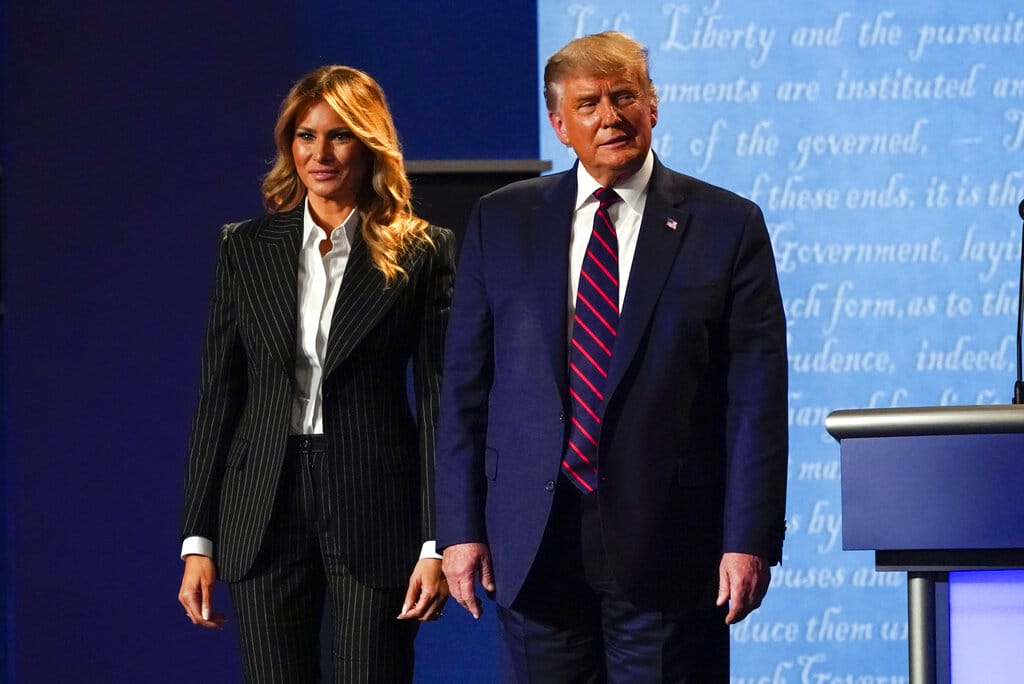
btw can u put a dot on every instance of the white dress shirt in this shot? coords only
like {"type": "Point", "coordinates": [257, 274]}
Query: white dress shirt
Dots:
{"type": "Point", "coordinates": [318, 285]}
{"type": "Point", "coordinates": [319, 280]}
{"type": "Point", "coordinates": [625, 216]}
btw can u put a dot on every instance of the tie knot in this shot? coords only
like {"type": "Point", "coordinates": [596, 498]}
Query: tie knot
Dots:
{"type": "Point", "coordinates": [606, 196]}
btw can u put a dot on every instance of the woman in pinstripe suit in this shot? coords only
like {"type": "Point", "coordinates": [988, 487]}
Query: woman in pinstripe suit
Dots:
{"type": "Point", "coordinates": [309, 478]}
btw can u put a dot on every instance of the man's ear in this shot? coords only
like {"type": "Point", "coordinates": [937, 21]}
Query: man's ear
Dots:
{"type": "Point", "coordinates": [558, 125]}
{"type": "Point", "coordinates": [654, 116]}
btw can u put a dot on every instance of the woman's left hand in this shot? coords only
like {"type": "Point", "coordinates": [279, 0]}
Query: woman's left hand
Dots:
{"type": "Point", "coordinates": [428, 592]}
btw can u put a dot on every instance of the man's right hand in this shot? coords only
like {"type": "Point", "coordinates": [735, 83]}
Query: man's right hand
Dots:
{"type": "Point", "coordinates": [464, 565]}
{"type": "Point", "coordinates": [196, 593]}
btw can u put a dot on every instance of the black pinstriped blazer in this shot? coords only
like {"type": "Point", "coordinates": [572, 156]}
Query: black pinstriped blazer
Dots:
{"type": "Point", "coordinates": [380, 455]}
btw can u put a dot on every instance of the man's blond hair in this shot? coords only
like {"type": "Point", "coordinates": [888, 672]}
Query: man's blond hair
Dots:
{"type": "Point", "coordinates": [610, 53]}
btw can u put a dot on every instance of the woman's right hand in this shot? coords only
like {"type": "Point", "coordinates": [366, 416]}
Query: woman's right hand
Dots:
{"type": "Point", "coordinates": [196, 593]}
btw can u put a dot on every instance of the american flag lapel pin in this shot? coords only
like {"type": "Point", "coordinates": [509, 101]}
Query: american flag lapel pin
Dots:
{"type": "Point", "coordinates": [671, 224]}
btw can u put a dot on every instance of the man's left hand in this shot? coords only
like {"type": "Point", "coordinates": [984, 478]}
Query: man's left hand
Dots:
{"type": "Point", "coordinates": [742, 582]}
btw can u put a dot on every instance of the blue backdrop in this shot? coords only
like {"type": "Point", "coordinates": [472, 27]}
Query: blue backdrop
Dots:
{"type": "Point", "coordinates": [131, 133]}
{"type": "Point", "coordinates": [884, 143]}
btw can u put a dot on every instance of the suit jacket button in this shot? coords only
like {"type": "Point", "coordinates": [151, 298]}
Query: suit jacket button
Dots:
{"type": "Point", "coordinates": [561, 417]}
{"type": "Point", "coordinates": [549, 485]}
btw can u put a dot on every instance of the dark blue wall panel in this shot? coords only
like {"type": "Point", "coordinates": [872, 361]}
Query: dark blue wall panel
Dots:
{"type": "Point", "coordinates": [461, 77]}
{"type": "Point", "coordinates": [129, 135]}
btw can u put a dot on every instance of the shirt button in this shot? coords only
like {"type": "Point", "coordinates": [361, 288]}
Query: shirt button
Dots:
{"type": "Point", "coordinates": [549, 485]}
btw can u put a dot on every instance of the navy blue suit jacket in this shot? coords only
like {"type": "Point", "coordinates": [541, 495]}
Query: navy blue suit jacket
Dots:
{"type": "Point", "coordinates": [693, 447]}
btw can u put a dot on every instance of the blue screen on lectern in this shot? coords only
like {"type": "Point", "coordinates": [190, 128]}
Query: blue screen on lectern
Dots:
{"type": "Point", "coordinates": [986, 626]}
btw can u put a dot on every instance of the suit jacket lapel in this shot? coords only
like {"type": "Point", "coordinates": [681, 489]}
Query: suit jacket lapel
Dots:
{"type": "Point", "coordinates": [273, 272]}
{"type": "Point", "coordinates": [363, 299]}
{"type": "Point", "coordinates": [656, 250]}
{"type": "Point", "coordinates": [548, 272]}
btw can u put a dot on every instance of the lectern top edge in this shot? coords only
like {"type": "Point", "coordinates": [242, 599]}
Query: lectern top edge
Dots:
{"type": "Point", "coordinates": [925, 420]}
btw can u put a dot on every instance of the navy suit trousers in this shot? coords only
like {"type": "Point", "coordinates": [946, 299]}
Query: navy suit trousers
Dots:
{"type": "Point", "coordinates": [572, 624]}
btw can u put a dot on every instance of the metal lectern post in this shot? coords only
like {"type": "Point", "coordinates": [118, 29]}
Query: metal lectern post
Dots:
{"type": "Point", "coordinates": [921, 613]}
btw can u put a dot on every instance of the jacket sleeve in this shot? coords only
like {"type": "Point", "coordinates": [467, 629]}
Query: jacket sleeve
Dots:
{"type": "Point", "coordinates": [428, 362]}
{"type": "Point", "coordinates": [468, 372]}
{"type": "Point", "coordinates": [222, 392]}
{"type": "Point", "coordinates": [756, 418]}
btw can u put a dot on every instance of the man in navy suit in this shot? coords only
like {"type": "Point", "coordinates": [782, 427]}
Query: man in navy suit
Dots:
{"type": "Point", "coordinates": [612, 450]}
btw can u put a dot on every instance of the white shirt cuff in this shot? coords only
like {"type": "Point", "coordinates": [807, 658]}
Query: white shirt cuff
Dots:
{"type": "Point", "coordinates": [429, 550]}
{"type": "Point", "coordinates": [199, 546]}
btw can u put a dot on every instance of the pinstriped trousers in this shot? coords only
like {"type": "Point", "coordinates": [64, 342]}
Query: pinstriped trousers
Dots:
{"type": "Point", "coordinates": [279, 605]}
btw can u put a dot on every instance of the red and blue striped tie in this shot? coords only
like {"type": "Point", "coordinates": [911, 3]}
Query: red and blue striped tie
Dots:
{"type": "Point", "coordinates": [593, 339]}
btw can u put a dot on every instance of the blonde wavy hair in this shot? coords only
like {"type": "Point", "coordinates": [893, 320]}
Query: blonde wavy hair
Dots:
{"type": "Point", "coordinates": [389, 226]}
